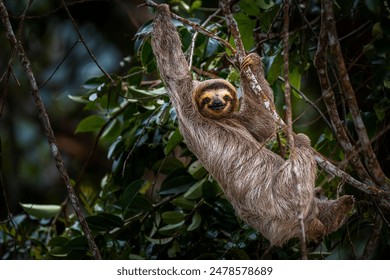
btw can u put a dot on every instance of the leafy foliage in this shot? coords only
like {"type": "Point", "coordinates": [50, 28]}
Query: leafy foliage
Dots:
{"type": "Point", "coordinates": [157, 201]}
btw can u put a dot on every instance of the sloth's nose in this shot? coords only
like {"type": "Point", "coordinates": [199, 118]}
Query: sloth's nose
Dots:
{"type": "Point", "coordinates": [217, 103]}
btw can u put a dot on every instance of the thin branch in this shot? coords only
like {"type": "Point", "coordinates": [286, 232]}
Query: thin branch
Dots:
{"type": "Point", "coordinates": [374, 238]}
{"type": "Point", "coordinates": [196, 27]}
{"type": "Point", "coordinates": [15, 44]}
{"type": "Point", "coordinates": [307, 100]}
{"type": "Point", "coordinates": [320, 63]}
{"type": "Point", "coordinates": [289, 130]}
{"type": "Point", "coordinates": [371, 161]}
{"type": "Point", "coordinates": [240, 55]}
{"type": "Point", "coordinates": [59, 64]}
{"type": "Point", "coordinates": [193, 40]}
{"type": "Point", "coordinates": [331, 169]}
{"type": "Point", "coordinates": [94, 146]}
{"type": "Point", "coordinates": [137, 141]}
{"type": "Point", "coordinates": [85, 44]}
{"type": "Point", "coordinates": [287, 88]}
{"type": "Point", "coordinates": [2, 187]}
{"type": "Point", "coordinates": [9, 70]}
{"type": "Point", "coordinates": [53, 11]}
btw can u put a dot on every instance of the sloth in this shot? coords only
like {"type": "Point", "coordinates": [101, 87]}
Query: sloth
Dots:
{"type": "Point", "coordinates": [229, 139]}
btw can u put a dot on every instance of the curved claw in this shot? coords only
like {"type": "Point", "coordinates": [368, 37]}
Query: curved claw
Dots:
{"type": "Point", "coordinates": [250, 60]}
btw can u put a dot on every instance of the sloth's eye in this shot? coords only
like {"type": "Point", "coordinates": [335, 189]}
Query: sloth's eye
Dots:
{"type": "Point", "coordinates": [206, 100]}
{"type": "Point", "coordinates": [226, 98]}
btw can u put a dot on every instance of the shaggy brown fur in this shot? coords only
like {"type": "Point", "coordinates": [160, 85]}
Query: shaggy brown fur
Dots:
{"type": "Point", "coordinates": [256, 181]}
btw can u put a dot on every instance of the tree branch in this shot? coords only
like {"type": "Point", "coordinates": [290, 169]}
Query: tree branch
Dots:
{"type": "Point", "coordinates": [240, 55]}
{"type": "Point", "coordinates": [320, 63]}
{"type": "Point", "coordinates": [85, 44]}
{"type": "Point", "coordinates": [16, 45]}
{"type": "Point", "coordinates": [196, 27]}
{"type": "Point", "coordinates": [193, 40]}
{"type": "Point", "coordinates": [288, 119]}
{"type": "Point", "coordinates": [371, 161]}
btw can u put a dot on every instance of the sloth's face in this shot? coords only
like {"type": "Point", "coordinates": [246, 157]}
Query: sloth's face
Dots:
{"type": "Point", "coordinates": [217, 103]}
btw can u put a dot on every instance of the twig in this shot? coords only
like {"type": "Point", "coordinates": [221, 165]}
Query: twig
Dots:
{"type": "Point", "coordinates": [331, 169]}
{"type": "Point", "coordinates": [85, 44]}
{"type": "Point", "coordinates": [371, 161]}
{"type": "Point", "coordinates": [9, 70]}
{"type": "Point", "coordinates": [59, 64]}
{"type": "Point", "coordinates": [193, 40]}
{"type": "Point", "coordinates": [137, 141]}
{"type": "Point", "coordinates": [312, 104]}
{"type": "Point", "coordinates": [196, 27]}
{"type": "Point", "coordinates": [47, 127]}
{"type": "Point", "coordinates": [3, 191]}
{"type": "Point", "coordinates": [375, 235]}
{"type": "Point", "coordinates": [240, 55]}
{"type": "Point", "coordinates": [289, 130]}
{"type": "Point", "coordinates": [94, 146]}
{"type": "Point", "coordinates": [287, 88]}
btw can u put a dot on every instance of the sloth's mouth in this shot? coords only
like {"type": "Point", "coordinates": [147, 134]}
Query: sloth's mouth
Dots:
{"type": "Point", "coordinates": [216, 107]}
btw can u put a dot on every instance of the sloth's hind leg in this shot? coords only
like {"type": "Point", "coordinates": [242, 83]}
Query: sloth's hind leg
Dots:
{"type": "Point", "coordinates": [333, 213]}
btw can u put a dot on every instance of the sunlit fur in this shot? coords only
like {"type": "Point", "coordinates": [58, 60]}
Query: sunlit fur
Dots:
{"type": "Point", "coordinates": [257, 182]}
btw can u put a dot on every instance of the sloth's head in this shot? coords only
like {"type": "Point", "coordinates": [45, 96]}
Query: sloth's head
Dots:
{"type": "Point", "coordinates": [215, 99]}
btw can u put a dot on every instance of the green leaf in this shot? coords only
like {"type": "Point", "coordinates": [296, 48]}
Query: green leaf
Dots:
{"type": "Point", "coordinates": [58, 241]}
{"type": "Point", "coordinates": [104, 221]}
{"type": "Point", "coordinates": [159, 241]}
{"type": "Point", "coordinates": [130, 193]}
{"type": "Point", "coordinates": [78, 99]}
{"type": "Point", "coordinates": [195, 191]}
{"type": "Point", "coordinates": [250, 7]}
{"type": "Point", "coordinates": [195, 222]}
{"type": "Point", "coordinates": [197, 170]}
{"type": "Point", "coordinates": [136, 94]}
{"type": "Point", "coordinates": [175, 248]}
{"type": "Point", "coordinates": [59, 252]}
{"type": "Point", "coordinates": [134, 76]}
{"type": "Point", "coordinates": [112, 132]}
{"type": "Point", "coordinates": [211, 47]}
{"type": "Point", "coordinates": [171, 227]}
{"type": "Point", "coordinates": [275, 68]}
{"type": "Point", "coordinates": [246, 26]}
{"type": "Point", "coordinates": [44, 211]}
{"type": "Point", "coordinates": [140, 204]}
{"type": "Point", "coordinates": [146, 54]}
{"type": "Point", "coordinates": [172, 217]}
{"type": "Point", "coordinates": [381, 108]}
{"type": "Point", "coordinates": [196, 5]}
{"type": "Point", "coordinates": [184, 203]}
{"type": "Point", "coordinates": [265, 4]}
{"type": "Point", "coordinates": [295, 79]}
{"type": "Point", "coordinates": [175, 139]}
{"type": "Point", "coordinates": [77, 243]}
{"type": "Point", "coordinates": [210, 191]}
{"type": "Point", "coordinates": [176, 184]}
{"type": "Point", "coordinates": [91, 124]}
{"type": "Point", "coordinates": [167, 165]}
